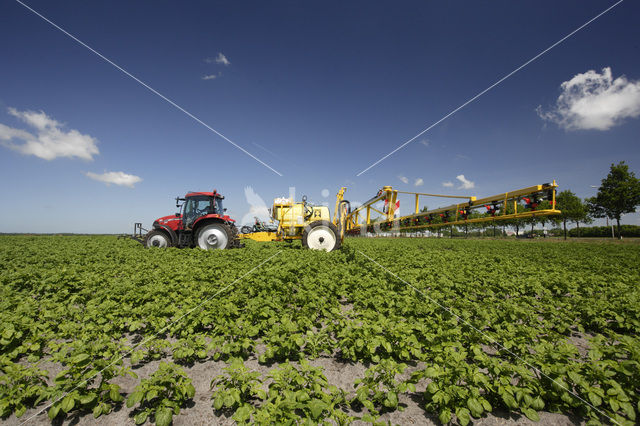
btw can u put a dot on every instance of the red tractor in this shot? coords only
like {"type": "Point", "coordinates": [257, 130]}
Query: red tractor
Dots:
{"type": "Point", "coordinates": [202, 222]}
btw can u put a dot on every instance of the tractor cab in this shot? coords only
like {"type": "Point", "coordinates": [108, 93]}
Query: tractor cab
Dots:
{"type": "Point", "coordinates": [198, 204]}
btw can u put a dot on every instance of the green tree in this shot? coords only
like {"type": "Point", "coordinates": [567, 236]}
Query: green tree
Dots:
{"type": "Point", "coordinates": [585, 217]}
{"type": "Point", "coordinates": [619, 193]}
{"type": "Point", "coordinates": [573, 209]}
{"type": "Point", "coordinates": [516, 224]}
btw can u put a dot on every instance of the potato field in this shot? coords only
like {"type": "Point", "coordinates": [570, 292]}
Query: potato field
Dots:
{"type": "Point", "coordinates": [403, 331]}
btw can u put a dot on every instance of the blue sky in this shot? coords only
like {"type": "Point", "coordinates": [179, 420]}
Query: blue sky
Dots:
{"type": "Point", "coordinates": [319, 91]}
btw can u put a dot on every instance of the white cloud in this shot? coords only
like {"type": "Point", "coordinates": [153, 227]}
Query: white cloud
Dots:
{"type": "Point", "coordinates": [50, 140]}
{"type": "Point", "coordinates": [220, 59]}
{"type": "Point", "coordinates": [447, 184]}
{"type": "Point", "coordinates": [425, 142]}
{"type": "Point", "coordinates": [465, 183]}
{"type": "Point", "coordinates": [594, 101]}
{"type": "Point", "coordinates": [209, 77]}
{"type": "Point", "coordinates": [418, 182]}
{"type": "Point", "coordinates": [116, 178]}
{"type": "Point", "coordinates": [403, 179]}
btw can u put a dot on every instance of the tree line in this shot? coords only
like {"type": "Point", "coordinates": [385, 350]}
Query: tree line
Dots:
{"type": "Point", "coordinates": [618, 194]}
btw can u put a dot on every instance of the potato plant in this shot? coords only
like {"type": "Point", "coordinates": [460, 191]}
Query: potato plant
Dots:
{"type": "Point", "coordinates": [517, 326]}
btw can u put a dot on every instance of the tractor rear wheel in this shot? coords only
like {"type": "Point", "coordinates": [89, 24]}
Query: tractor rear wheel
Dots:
{"type": "Point", "coordinates": [156, 238]}
{"type": "Point", "coordinates": [215, 236]}
{"type": "Point", "coordinates": [321, 235]}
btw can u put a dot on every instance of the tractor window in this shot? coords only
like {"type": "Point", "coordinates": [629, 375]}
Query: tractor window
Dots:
{"type": "Point", "coordinates": [218, 205]}
{"type": "Point", "coordinates": [196, 207]}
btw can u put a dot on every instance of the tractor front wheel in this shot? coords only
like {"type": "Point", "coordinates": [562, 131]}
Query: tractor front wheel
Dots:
{"type": "Point", "coordinates": [157, 238]}
{"type": "Point", "coordinates": [321, 235]}
{"type": "Point", "coordinates": [215, 236]}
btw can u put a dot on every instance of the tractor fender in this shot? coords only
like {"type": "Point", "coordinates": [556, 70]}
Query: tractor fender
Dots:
{"type": "Point", "coordinates": [205, 220]}
{"type": "Point", "coordinates": [171, 232]}
{"type": "Point", "coordinates": [224, 219]}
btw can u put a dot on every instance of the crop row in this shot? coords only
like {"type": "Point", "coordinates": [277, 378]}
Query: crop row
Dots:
{"type": "Point", "coordinates": [486, 325]}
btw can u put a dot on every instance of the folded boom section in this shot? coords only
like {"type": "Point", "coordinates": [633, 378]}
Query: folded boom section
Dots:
{"type": "Point", "coordinates": [533, 201]}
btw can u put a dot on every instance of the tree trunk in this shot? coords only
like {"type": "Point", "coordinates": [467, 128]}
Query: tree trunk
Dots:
{"type": "Point", "coordinates": [517, 230]}
{"type": "Point", "coordinates": [619, 230]}
{"type": "Point", "coordinates": [578, 226]}
{"type": "Point", "coordinates": [565, 228]}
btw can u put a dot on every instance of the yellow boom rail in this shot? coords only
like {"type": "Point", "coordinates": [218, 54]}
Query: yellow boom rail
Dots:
{"type": "Point", "coordinates": [539, 200]}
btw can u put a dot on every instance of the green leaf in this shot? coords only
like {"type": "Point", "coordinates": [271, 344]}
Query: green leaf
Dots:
{"type": "Point", "coordinates": [463, 416]}
{"type": "Point", "coordinates": [531, 414]}
{"type": "Point", "coordinates": [134, 398]}
{"type": "Point", "coordinates": [445, 416]}
{"type": "Point", "coordinates": [369, 405]}
{"type": "Point", "coordinates": [163, 416]}
{"type": "Point", "coordinates": [88, 399]}
{"type": "Point", "coordinates": [229, 401]}
{"type": "Point", "coordinates": [114, 394]}
{"type": "Point", "coordinates": [20, 410]}
{"type": "Point", "coordinates": [151, 394]}
{"type": "Point", "coordinates": [67, 403]}
{"type": "Point", "coordinates": [79, 359]}
{"type": "Point", "coordinates": [628, 409]}
{"type": "Point", "coordinates": [218, 402]}
{"type": "Point", "coordinates": [141, 417]}
{"type": "Point", "coordinates": [190, 391]}
{"type": "Point", "coordinates": [391, 400]}
{"type": "Point", "coordinates": [60, 377]}
{"type": "Point", "coordinates": [595, 399]}
{"type": "Point", "coordinates": [537, 404]}
{"type": "Point", "coordinates": [475, 407]}
{"type": "Point", "coordinates": [614, 404]}
{"type": "Point", "coordinates": [53, 411]}
{"type": "Point", "coordinates": [243, 413]}
{"type": "Point", "coordinates": [430, 372]}
{"type": "Point", "coordinates": [575, 377]}
{"type": "Point", "coordinates": [316, 406]}
{"type": "Point", "coordinates": [509, 401]}
{"type": "Point", "coordinates": [486, 405]}
{"type": "Point", "coordinates": [367, 417]}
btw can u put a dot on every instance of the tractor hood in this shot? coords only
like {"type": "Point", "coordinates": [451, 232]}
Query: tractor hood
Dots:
{"type": "Point", "coordinates": [172, 221]}
{"type": "Point", "coordinates": [173, 217]}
